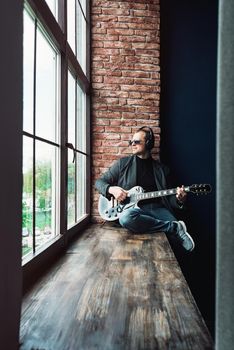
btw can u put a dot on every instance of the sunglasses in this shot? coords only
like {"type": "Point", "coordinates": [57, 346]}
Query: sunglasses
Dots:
{"type": "Point", "coordinates": [134, 142]}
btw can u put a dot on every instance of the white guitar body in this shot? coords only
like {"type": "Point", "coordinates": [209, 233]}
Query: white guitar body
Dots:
{"type": "Point", "coordinates": [110, 210]}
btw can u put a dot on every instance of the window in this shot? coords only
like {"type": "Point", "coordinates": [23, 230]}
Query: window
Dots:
{"type": "Point", "coordinates": [56, 122]}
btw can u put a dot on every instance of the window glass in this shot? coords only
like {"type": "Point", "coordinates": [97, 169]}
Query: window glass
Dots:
{"type": "Point", "coordinates": [27, 203]}
{"type": "Point", "coordinates": [83, 5]}
{"type": "Point", "coordinates": [71, 191]}
{"type": "Point", "coordinates": [71, 109]}
{"type": "Point", "coordinates": [81, 185]}
{"type": "Point", "coordinates": [81, 38]}
{"type": "Point", "coordinates": [46, 88]}
{"type": "Point", "coordinates": [46, 195]}
{"type": "Point", "coordinates": [81, 124]}
{"type": "Point", "coordinates": [28, 62]}
{"type": "Point", "coordinates": [71, 24]}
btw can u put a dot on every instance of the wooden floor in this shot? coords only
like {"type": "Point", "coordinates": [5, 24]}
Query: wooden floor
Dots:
{"type": "Point", "coordinates": [113, 290]}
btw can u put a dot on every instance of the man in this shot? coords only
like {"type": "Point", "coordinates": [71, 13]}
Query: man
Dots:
{"type": "Point", "coordinates": [140, 169]}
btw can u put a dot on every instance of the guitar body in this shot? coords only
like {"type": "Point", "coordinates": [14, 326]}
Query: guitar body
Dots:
{"type": "Point", "coordinates": [110, 210]}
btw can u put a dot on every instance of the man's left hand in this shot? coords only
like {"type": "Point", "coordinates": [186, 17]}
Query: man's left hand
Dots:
{"type": "Point", "coordinates": [181, 195]}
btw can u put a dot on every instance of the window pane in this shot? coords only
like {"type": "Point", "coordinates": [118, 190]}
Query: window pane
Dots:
{"type": "Point", "coordinates": [81, 38]}
{"type": "Point", "coordinates": [81, 120]}
{"type": "Point", "coordinates": [28, 64]}
{"type": "Point", "coordinates": [46, 201]}
{"type": "Point", "coordinates": [71, 197]}
{"type": "Point", "coordinates": [71, 109]}
{"type": "Point", "coordinates": [81, 185]}
{"type": "Point", "coordinates": [83, 5]}
{"type": "Point", "coordinates": [27, 203]}
{"type": "Point", "coordinates": [71, 24]}
{"type": "Point", "coordinates": [53, 7]}
{"type": "Point", "coordinates": [46, 96]}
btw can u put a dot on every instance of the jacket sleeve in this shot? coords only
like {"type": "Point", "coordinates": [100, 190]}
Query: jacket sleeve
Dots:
{"type": "Point", "coordinates": [109, 178]}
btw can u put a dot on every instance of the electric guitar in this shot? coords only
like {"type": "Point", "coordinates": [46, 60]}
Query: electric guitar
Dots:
{"type": "Point", "coordinates": [110, 210]}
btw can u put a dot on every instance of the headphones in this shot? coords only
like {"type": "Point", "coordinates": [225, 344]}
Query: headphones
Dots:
{"type": "Point", "coordinates": [149, 137]}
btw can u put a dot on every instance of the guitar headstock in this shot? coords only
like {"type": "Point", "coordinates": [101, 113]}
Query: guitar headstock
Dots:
{"type": "Point", "coordinates": [200, 188]}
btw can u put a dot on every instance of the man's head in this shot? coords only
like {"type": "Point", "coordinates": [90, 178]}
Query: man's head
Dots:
{"type": "Point", "coordinates": [142, 142]}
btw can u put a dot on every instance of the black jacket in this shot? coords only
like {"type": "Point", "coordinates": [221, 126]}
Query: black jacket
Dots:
{"type": "Point", "coordinates": [123, 173]}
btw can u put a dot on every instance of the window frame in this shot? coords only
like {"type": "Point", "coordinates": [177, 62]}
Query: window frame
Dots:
{"type": "Point", "coordinates": [58, 35]}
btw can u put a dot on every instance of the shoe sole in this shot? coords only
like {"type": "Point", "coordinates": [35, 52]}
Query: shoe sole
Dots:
{"type": "Point", "coordinates": [185, 230]}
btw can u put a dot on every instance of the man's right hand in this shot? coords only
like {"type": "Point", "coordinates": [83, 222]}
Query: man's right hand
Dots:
{"type": "Point", "coordinates": [119, 193]}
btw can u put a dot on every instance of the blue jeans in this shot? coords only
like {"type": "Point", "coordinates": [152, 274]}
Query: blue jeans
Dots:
{"type": "Point", "coordinates": [148, 218]}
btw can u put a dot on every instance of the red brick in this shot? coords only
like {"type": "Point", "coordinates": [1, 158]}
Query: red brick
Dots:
{"type": "Point", "coordinates": [147, 67]}
{"type": "Point", "coordinates": [115, 122]}
{"type": "Point", "coordinates": [146, 52]}
{"type": "Point", "coordinates": [113, 93]}
{"type": "Point", "coordinates": [144, 25]}
{"type": "Point", "coordinates": [97, 79]}
{"type": "Point", "coordinates": [96, 30]}
{"type": "Point", "coordinates": [102, 3]}
{"type": "Point", "coordinates": [145, 109]}
{"type": "Point", "coordinates": [100, 51]}
{"type": "Point", "coordinates": [114, 25]}
{"type": "Point", "coordinates": [118, 44]}
{"type": "Point", "coordinates": [122, 108]}
{"type": "Point", "coordinates": [107, 114]}
{"type": "Point", "coordinates": [116, 80]}
{"type": "Point", "coordinates": [115, 12]}
{"type": "Point", "coordinates": [103, 18]}
{"type": "Point", "coordinates": [117, 129]}
{"type": "Point", "coordinates": [135, 95]}
{"type": "Point", "coordinates": [136, 74]}
{"type": "Point", "coordinates": [122, 66]}
{"type": "Point", "coordinates": [132, 38]}
{"type": "Point", "coordinates": [97, 44]}
{"type": "Point", "coordinates": [101, 58]}
{"type": "Point", "coordinates": [127, 52]}
{"type": "Point", "coordinates": [143, 81]}
{"type": "Point", "coordinates": [133, 5]}
{"type": "Point", "coordinates": [147, 45]}
{"type": "Point", "coordinates": [140, 88]}
{"type": "Point", "coordinates": [100, 121]}
{"type": "Point", "coordinates": [120, 31]}
{"type": "Point", "coordinates": [113, 87]}
{"type": "Point", "coordinates": [145, 13]}
{"type": "Point", "coordinates": [104, 37]}
{"type": "Point", "coordinates": [95, 10]}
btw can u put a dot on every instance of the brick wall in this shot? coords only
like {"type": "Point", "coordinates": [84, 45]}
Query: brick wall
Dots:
{"type": "Point", "coordinates": [125, 78]}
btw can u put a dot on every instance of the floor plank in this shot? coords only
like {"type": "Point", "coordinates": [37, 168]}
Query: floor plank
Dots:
{"type": "Point", "coordinates": [113, 290]}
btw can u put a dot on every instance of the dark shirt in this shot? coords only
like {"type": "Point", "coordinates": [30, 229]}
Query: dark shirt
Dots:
{"type": "Point", "coordinates": [145, 178]}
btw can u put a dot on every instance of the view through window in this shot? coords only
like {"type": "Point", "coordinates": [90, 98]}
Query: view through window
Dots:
{"type": "Point", "coordinates": [44, 124]}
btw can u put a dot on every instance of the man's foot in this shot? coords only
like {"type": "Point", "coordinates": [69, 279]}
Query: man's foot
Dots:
{"type": "Point", "coordinates": [184, 237]}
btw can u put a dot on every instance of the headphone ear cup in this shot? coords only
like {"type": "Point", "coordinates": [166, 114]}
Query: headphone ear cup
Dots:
{"type": "Point", "coordinates": [150, 140]}
{"type": "Point", "coordinates": [147, 144]}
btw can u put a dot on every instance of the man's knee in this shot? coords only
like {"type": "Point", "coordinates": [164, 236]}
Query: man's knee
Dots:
{"type": "Point", "coordinates": [127, 217]}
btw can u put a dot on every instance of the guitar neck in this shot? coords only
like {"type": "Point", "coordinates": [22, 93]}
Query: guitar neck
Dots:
{"type": "Point", "coordinates": [156, 194]}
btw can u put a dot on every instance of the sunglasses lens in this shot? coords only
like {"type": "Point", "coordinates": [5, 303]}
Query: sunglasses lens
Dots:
{"type": "Point", "coordinates": [134, 142]}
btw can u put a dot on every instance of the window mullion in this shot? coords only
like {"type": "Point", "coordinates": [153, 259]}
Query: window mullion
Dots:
{"type": "Point", "coordinates": [64, 132]}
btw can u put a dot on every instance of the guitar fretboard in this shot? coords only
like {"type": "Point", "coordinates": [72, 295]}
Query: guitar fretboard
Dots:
{"type": "Point", "coordinates": [155, 194]}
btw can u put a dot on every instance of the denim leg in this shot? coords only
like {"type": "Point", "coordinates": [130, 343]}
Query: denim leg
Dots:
{"type": "Point", "coordinates": [139, 220]}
